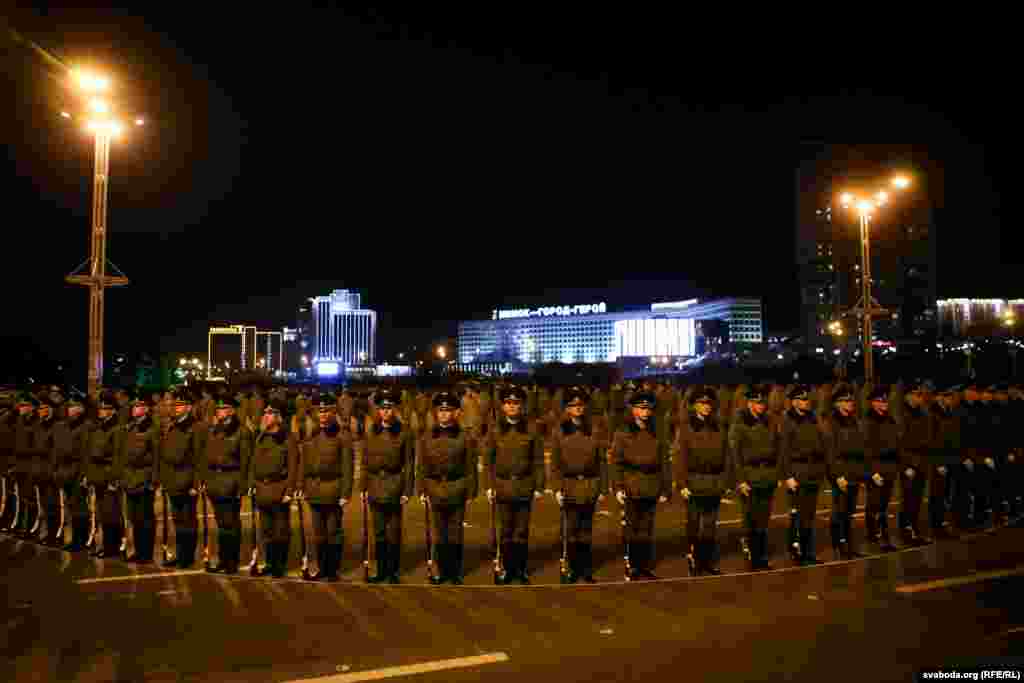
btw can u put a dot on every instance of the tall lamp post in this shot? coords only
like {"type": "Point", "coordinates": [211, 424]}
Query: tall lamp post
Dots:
{"type": "Point", "coordinates": [868, 306]}
{"type": "Point", "coordinates": [836, 328]}
{"type": "Point", "coordinates": [102, 124]}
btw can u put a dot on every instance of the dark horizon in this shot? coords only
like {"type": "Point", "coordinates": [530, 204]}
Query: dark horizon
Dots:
{"type": "Point", "coordinates": [445, 167]}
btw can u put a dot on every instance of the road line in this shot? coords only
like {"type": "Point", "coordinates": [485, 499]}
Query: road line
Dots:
{"type": "Point", "coordinates": [958, 581]}
{"type": "Point", "coordinates": [232, 593]}
{"type": "Point", "coordinates": [141, 577]}
{"type": "Point", "coordinates": [361, 621]}
{"type": "Point", "coordinates": [410, 669]}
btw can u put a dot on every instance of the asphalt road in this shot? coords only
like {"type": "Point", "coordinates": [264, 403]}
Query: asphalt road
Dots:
{"type": "Point", "coordinates": [872, 619]}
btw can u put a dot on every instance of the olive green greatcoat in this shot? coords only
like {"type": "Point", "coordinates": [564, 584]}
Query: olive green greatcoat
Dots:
{"type": "Point", "coordinates": [515, 457]}
{"type": "Point", "coordinates": [228, 456]}
{"type": "Point", "coordinates": [945, 446]}
{"type": "Point", "coordinates": [754, 445]}
{"type": "Point", "coordinates": [103, 464]}
{"type": "Point", "coordinates": [42, 450]}
{"type": "Point", "coordinates": [139, 455]}
{"type": "Point", "coordinates": [702, 463]}
{"type": "Point", "coordinates": [802, 447]}
{"type": "Point", "coordinates": [844, 439]}
{"type": "Point", "coordinates": [388, 469]}
{"type": "Point", "coordinates": [916, 427]}
{"type": "Point", "coordinates": [275, 467]}
{"type": "Point", "coordinates": [182, 450]}
{"type": "Point", "coordinates": [882, 441]}
{"type": "Point", "coordinates": [640, 462]}
{"type": "Point", "coordinates": [69, 447]}
{"type": "Point", "coordinates": [579, 463]}
{"type": "Point", "coordinates": [326, 461]}
{"type": "Point", "coordinates": [446, 465]}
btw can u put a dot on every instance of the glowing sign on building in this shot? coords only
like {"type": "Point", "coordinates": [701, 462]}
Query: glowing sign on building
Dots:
{"type": "Point", "coordinates": [328, 369]}
{"type": "Point", "coordinates": [545, 311]}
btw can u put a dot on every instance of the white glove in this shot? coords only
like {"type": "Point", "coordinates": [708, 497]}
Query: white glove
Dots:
{"type": "Point", "coordinates": [490, 495]}
{"type": "Point", "coordinates": [1011, 458]}
{"type": "Point", "coordinates": [969, 464]}
{"type": "Point", "coordinates": [403, 500]}
{"type": "Point", "coordinates": [990, 462]}
{"type": "Point", "coordinates": [423, 499]}
{"type": "Point", "coordinates": [364, 496]}
{"type": "Point", "coordinates": [792, 483]}
{"type": "Point", "coordinates": [537, 495]}
{"type": "Point", "coordinates": [559, 496]}
{"type": "Point", "coordinates": [941, 469]}
{"type": "Point", "coordinates": [662, 499]}
{"type": "Point", "coordinates": [909, 472]}
{"type": "Point", "coordinates": [286, 498]}
{"type": "Point", "coordinates": [685, 493]}
{"type": "Point", "coordinates": [842, 483]}
{"type": "Point", "coordinates": [548, 492]}
{"type": "Point", "coordinates": [877, 478]}
{"type": "Point", "coordinates": [621, 497]}
{"type": "Point", "coordinates": [193, 492]}
{"type": "Point", "coordinates": [252, 491]}
{"type": "Point", "coordinates": [745, 488]}
{"type": "Point", "coordinates": [600, 497]}
{"type": "Point", "coordinates": [342, 502]}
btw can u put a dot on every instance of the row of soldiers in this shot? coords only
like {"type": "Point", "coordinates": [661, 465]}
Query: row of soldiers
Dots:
{"type": "Point", "coordinates": [99, 474]}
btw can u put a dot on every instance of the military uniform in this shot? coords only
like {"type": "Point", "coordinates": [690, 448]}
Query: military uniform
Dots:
{"type": "Point", "coordinates": [103, 475]}
{"type": "Point", "coordinates": [70, 440]}
{"type": "Point", "coordinates": [42, 473]}
{"type": "Point", "coordinates": [804, 458]}
{"type": "Point", "coordinates": [224, 472]}
{"type": "Point", "coordinates": [8, 420]}
{"type": "Point", "coordinates": [24, 432]}
{"type": "Point", "coordinates": [917, 431]}
{"type": "Point", "coordinates": [326, 463]}
{"type": "Point", "coordinates": [845, 443]}
{"type": "Point", "coordinates": [754, 444]}
{"type": "Point", "coordinates": [182, 448]}
{"type": "Point", "coordinates": [514, 454]}
{"type": "Point", "coordinates": [974, 476]}
{"type": "Point", "coordinates": [1001, 429]}
{"type": "Point", "coordinates": [641, 472]}
{"type": "Point", "coordinates": [882, 440]}
{"type": "Point", "coordinates": [446, 476]}
{"type": "Point", "coordinates": [1015, 458]}
{"type": "Point", "coordinates": [579, 462]}
{"type": "Point", "coordinates": [944, 459]}
{"type": "Point", "coordinates": [273, 479]}
{"type": "Point", "coordinates": [139, 459]}
{"type": "Point", "coordinates": [388, 473]}
{"type": "Point", "coordinates": [703, 474]}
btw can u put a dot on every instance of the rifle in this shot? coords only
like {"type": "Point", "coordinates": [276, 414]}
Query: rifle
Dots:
{"type": "Point", "coordinates": [167, 502]}
{"type": "Point", "coordinates": [128, 535]}
{"type": "Point", "coordinates": [499, 567]}
{"type": "Point", "coordinates": [3, 496]}
{"type": "Point", "coordinates": [17, 507]}
{"type": "Point", "coordinates": [625, 544]}
{"type": "Point", "coordinates": [91, 502]}
{"type": "Point", "coordinates": [63, 516]}
{"type": "Point", "coordinates": [366, 539]}
{"type": "Point", "coordinates": [563, 562]}
{"type": "Point", "coordinates": [430, 539]}
{"type": "Point", "coordinates": [206, 528]}
{"type": "Point", "coordinates": [39, 511]}
{"type": "Point", "coordinates": [254, 565]}
{"type": "Point", "coordinates": [299, 495]}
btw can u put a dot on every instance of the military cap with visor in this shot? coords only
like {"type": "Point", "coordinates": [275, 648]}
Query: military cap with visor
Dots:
{"type": "Point", "coordinates": [843, 393]}
{"type": "Point", "coordinates": [276, 406]}
{"type": "Point", "coordinates": [327, 402]}
{"type": "Point", "coordinates": [801, 392]}
{"type": "Point", "coordinates": [446, 399]}
{"type": "Point", "coordinates": [183, 396]}
{"type": "Point", "coordinates": [880, 393]}
{"type": "Point", "coordinates": [757, 394]}
{"type": "Point", "coordinates": [512, 393]}
{"type": "Point", "coordinates": [107, 399]}
{"type": "Point", "coordinates": [226, 401]}
{"type": "Point", "coordinates": [387, 398]}
{"type": "Point", "coordinates": [643, 399]}
{"type": "Point", "coordinates": [703, 395]}
{"type": "Point", "coordinates": [573, 394]}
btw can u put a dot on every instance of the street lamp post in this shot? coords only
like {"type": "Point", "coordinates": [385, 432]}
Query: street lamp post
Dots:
{"type": "Point", "coordinates": [868, 307]}
{"type": "Point", "coordinates": [93, 273]}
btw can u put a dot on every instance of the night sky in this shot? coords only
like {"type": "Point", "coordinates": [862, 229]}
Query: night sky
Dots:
{"type": "Point", "coordinates": [445, 164]}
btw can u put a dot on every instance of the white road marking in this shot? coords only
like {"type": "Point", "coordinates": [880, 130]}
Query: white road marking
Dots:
{"type": "Point", "coordinates": [958, 581]}
{"type": "Point", "coordinates": [141, 577]}
{"type": "Point", "coordinates": [410, 669]}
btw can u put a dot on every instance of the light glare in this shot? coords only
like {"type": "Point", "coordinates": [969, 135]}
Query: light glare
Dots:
{"type": "Point", "coordinates": [901, 182]}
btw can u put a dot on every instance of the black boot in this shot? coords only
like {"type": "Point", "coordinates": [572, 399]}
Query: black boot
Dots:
{"type": "Point", "coordinates": [333, 555]}
{"type": "Point", "coordinates": [849, 548]}
{"type": "Point", "coordinates": [835, 532]}
{"type": "Point", "coordinates": [762, 550]}
{"type": "Point", "coordinates": [708, 547]}
{"type": "Point", "coordinates": [917, 538]}
{"type": "Point", "coordinates": [507, 565]}
{"type": "Point", "coordinates": [439, 564]}
{"type": "Point", "coordinates": [394, 563]}
{"type": "Point", "coordinates": [647, 572]}
{"type": "Point", "coordinates": [522, 558]}
{"type": "Point", "coordinates": [456, 559]}
{"type": "Point", "coordinates": [382, 563]}
{"type": "Point", "coordinates": [587, 563]}
{"type": "Point", "coordinates": [793, 537]}
{"type": "Point", "coordinates": [693, 558]}
{"type": "Point", "coordinates": [809, 555]}
{"type": "Point", "coordinates": [571, 561]}
{"type": "Point", "coordinates": [885, 543]}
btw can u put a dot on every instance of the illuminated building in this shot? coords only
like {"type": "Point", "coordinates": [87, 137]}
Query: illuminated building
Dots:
{"type": "Point", "coordinates": [344, 334]}
{"type": "Point", "coordinates": [243, 347]}
{"type": "Point", "coordinates": [978, 317]}
{"type": "Point", "coordinates": [591, 334]}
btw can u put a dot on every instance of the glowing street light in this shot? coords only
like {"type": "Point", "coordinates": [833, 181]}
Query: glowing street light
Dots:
{"type": "Point", "coordinates": [901, 182]}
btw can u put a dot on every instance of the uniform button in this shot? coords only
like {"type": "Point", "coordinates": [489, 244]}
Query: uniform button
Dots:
{"type": "Point", "coordinates": [580, 477]}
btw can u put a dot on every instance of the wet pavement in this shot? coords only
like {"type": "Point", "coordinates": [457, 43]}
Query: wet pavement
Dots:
{"type": "Point", "coordinates": [878, 618]}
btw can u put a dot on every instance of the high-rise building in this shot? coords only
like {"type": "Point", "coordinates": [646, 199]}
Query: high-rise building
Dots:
{"type": "Point", "coordinates": [979, 317]}
{"type": "Point", "coordinates": [344, 334]}
{"type": "Point", "coordinates": [902, 239]}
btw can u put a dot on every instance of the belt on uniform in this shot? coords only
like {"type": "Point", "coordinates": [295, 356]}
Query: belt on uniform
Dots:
{"type": "Point", "coordinates": [515, 477]}
{"type": "Point", "coordinates": [580, 477]}
{"type": "Point", "coordinates": [889, 457]}
{"type": "Point", "coordinates": [225, 468]}
{"type": "Point", "coordinates": [851, 457]}
{"type": "Point", "coordinates": [447, 477]}
{"type": "Point", "coordinates": [762, 462]}
{"type": "Point", "coordinates": [709, 471]}
{"type": "Point", "coordinates": [272, 481]}
{"type": "Point", "coordinates": [645, 469]}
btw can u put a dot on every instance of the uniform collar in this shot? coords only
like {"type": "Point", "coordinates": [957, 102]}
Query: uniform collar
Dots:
{"type": "Point", "coordinates": [395, 428]}
{"type": "Point", "coordinates": [569, 427]}
{"type": "Point", "coordinates": [797, 417]}
{"type": "Point", "coordinates": [635, 429]}
{"type": "Point", "coordinates": [142, 425]}
{"type": "Point", "coordinates": [184, 422]}
{"type": "Point", "coordinates": [453, 429]}
{"type": "Point", "coordinates": [750, 420]}
{"type": "Point", "coordinates": [697, 424]}
{"type": "Point", "coordinates": [505, 425]}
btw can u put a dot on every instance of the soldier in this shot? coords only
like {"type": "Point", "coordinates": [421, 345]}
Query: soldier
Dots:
{"type": "Point", "coordinates": [446, 473]}
{"type": "Point", "coordinates": [754, 444]}
{"type": "Point", "coordinates": [8, 420]}
{"type": "Point", "coordinates": [273, 480]}
{"type": "Point", "coordinates": [944, 458]}
{"type": "Point", "coordinates": [1015, 457]}
{"type": "Point", "coordinates": [225, 476]}
{"type": "Point", "coordinates": [580, 463]}
{"type": "Point", "coordinates": [122, 402]}
{"type": "Point", "coordinates": [42, 471]}
{"type": "Point", "coordinates": [975, 467]}
{"type": "Point", "coordinates": [514, 453]}
{"type": "Point", "coordinates": [326, 463]}
{"type": "Point", "coordinates": [69, 449]}
{"type": "Point", "coordinates": [24, 430]}
{"type": "Point", "coordinates": [805, 466]}
{"type": "Point", "coordinates": [103, 476]}
{"type": "Point", "coordinates": [844, 440]}
{"type": "Point", "coordinates": [1002, 429]}
{"type": "Point", "coordinates": [917, 437]}
{"type": "Point", "coordinates": [182, 447]}
{"type": "Point", "coordinates": [642, 478]}
{"type": "Point", "coordinates": [139, 460]}
{"type": "Point", "coordinates": [703, 473]}
{"type": "Point", "coordinates": [387, 476]}
{"type": "Point", "coordinates": [882, 440]}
